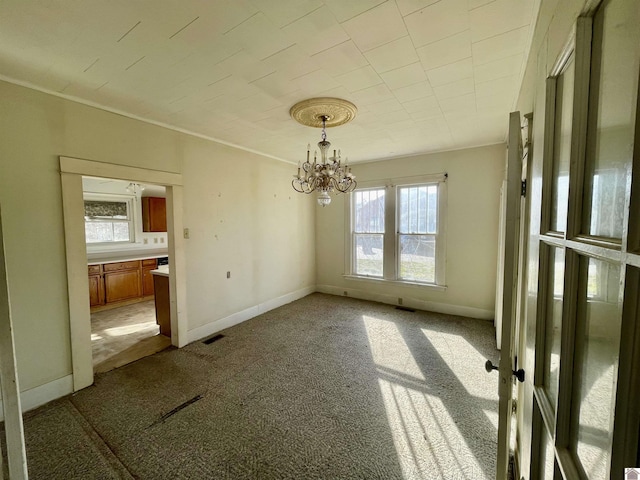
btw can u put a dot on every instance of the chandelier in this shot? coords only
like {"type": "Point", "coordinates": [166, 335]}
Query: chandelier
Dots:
{"type": "Point", "coordinates": [326, 174]}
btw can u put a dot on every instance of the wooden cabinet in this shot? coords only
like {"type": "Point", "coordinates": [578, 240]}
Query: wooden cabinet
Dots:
{"type": "Point", "coordinates": [147, 278]}
{"type": "Point", "coordinates": [123, 285]}
{"type": "Point", "coordinates": [163, 304]}
{"type": "Point", "coordinates": [120, 282]}
{"type": "Point", "coordinates": [96, 285]}
{"type": "Point", "coordinates": [154, 214]}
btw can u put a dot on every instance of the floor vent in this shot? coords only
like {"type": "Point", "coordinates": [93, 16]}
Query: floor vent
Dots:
{"type": "Point", "coordinates": [406, 309]}
{"type": "Point", "coordinates": [210, 340]}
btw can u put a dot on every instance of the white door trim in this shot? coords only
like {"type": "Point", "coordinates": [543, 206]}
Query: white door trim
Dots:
{"type": "Point", "coordinates": [72, 170]}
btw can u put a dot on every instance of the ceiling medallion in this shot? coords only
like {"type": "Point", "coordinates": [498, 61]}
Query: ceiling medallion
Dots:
{"type": "Point", "coordinates": [326, 174]}
{"type": "Point", "coordinates": [310, 112]}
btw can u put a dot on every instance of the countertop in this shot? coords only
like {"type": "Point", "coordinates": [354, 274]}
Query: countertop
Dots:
{"type": "Point", "coordinates": [108, 257]}
{"type": "Point", "coordinates": [162, 270]}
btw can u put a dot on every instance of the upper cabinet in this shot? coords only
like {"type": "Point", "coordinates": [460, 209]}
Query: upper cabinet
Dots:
{"type": "Point", "coordinates": [154, 214]}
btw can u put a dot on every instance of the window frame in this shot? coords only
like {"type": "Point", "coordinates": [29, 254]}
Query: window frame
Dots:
{"type": "Point", "coordinates": [130, 201]}
{"type": "Point", "coordinates": [391, 257]}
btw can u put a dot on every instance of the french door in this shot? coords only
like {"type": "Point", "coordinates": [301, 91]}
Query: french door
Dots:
{"type": "Point", "coordinates": [586, 329]}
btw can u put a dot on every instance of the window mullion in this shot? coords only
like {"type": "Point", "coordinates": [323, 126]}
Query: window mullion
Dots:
{"type": "Point", "coordinates": [390, 234]}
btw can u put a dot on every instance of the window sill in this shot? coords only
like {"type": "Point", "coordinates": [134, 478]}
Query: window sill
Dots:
{"type": "Point", "coordinates": [381, 281]}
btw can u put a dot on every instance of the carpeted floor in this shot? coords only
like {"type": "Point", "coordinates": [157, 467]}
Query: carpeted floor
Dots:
{"type": "Point", "coordinates": [323, 388]}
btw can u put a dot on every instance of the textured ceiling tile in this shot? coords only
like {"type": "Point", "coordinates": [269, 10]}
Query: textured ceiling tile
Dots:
{"type": "Point", "coordinates": [291, 62]}
{"type": "Point", "coordinates": [426, 104]}
{"type": "Point", "coordinates": [495, 104]}
{"type": "Point", "coordinates": [498, 17]}
{"type": "Point", "coordinates": [284, 12]}
{"type": "Point", "coordinates": [276, 85]}
{"type": "Point", "coordinates": [500, 46]}
{"type": "Point", "coordinates": [404, 76]}
{"type": "Point", "coordinates": [386, 106]}
{"type": "Point", "coordinates": [413, 92]}
{"type": "Point", "coordinates": [504, 67]}
{"type": "Point", "coordinates": [478, 3]}
{"type": "Point", "coordinates": [461, 103]}
{"type": "Point", "coordinates": [316, 32]}
{"type": "Point", "coordinates": [505, 86]}
{"type": "Point", "coordinates": [341, 59]}
{"type": "Point", "coordinates": [438, 21]}
{"type": "Point", "coordinates": [344, 10]}
{"type": "Point", "coordinates": [358, 79]}
{"type": "Point", "coordinates": [374, 94]}
{"type": "Point", "coordinates": [314, 83]}
{"type": "Point", "coordinates": [450, 50]}
{"type": "Point", "coordinates": [451, 73]}
{"type": "Point", "coordinates": [378, 26]}
{"type": "Point", "coordinates": [258, 36]}
{"type": "Point", "coordinates": [392, 55]}
{"type": "Point", "coordinates": [455, 89]}
{"type": "Point", "coordinates": [409, 6]}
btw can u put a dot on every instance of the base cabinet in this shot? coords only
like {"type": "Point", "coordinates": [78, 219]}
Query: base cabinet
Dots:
{"type": "Point", "coordinates": [96, 290]}
{"type": "Point", "coordinates": [123, 285]}
{"type": "Point", "coordinates": [112, 283]}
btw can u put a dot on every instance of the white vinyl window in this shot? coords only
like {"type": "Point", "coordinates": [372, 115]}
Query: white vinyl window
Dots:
{"type": "Point", "coordinates": [108, 219]}
{"type": "Point", "coordinates": [397, 231]}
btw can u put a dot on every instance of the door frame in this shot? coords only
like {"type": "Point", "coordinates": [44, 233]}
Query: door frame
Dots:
{"type": "Point", "coordinates": [71, 172]}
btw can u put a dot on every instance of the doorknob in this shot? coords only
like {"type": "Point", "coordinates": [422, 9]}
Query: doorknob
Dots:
{"type": "Point", "coordinates": [519, 374]}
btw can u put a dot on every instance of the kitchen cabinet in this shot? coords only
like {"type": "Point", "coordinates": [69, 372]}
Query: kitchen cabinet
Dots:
{"type": "Point", "coordinates": [147, 278]}
{"type": "Point", "coordinates": [122, 285]}
{"type": "Point", "coordinates": [163, 304]}
{"type": "Point", "coordinates": [96, 285]}
{"type": "Point", "coordinates": [117, 283]}
{"type": "Point", "coordinates": [154, 214]}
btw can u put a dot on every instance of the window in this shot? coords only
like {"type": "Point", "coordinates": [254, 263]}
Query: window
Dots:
{"type": "Point", "coordinates": [397, 231]}
{"type": "Point", "coordinates": [368, 232]}
{"type": "Point", "coordinates": [108, 220]}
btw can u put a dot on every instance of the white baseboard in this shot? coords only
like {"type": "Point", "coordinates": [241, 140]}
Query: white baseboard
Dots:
{"type": "Point", "coordinates": [246, 314]}
{"type": "Point", "coordinates": [410, 302]}
{"type": "Point", "coordinates": [37, 396]}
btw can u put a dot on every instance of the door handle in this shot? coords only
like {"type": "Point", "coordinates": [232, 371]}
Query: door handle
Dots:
{"type": "Point", "coordinates": [519, 374]}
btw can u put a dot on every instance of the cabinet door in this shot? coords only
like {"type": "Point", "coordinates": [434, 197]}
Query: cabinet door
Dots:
{"type": "Point", "coordinates": [122, 285]}
{"type": "Point", "coordinates": [147, 281]}
{"type": "Point", "coordinates": [96, 290]}
{"type": "Point", "coordinates": [154, 214]}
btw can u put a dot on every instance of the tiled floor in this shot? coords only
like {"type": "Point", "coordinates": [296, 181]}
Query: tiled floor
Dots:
{"type": "Point", "coordinates": [123, 335]}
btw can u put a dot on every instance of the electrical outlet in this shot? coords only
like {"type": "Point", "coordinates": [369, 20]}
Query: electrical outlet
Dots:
{"type": "Point", "coordinates": [161, 239]}
{"type": "Point", "coordinates": [185, 233]}
{"type": "Point", "coordinates": [228, 274]}
{"type": "Point", "coordinates": [399, 301]}
{"type": "Point", "coordinates": [145, 241]}
{"type": "Point", "coordinates": [155, 240]}
{"type": "Point", "coordinates": [345, 293]}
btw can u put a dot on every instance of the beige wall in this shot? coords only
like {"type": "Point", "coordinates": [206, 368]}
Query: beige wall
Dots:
{"type": "Point", "coordinates": [241, 211]}
{"type": "Point", "coordinates": [473, 192]}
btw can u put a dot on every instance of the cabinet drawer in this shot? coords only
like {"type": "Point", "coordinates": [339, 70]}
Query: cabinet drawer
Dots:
{"type": "Point", "coordinates": [93, 269]}
{"type": "Point", "coordinates": [117, 266]}
{"type": "Point", "coordinates": [150, 262]}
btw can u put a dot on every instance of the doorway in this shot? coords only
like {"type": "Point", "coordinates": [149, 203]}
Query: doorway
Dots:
{"type": "Point", "coordinates": [126, 243]}
{"type": "Point", "coordinates": [72, 171]}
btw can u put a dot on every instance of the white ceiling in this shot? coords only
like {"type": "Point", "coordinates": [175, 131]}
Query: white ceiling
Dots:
{"type": "Point", "coordinates": [119, 187]}
{"type": "Point", "coordinates": [426, 75]}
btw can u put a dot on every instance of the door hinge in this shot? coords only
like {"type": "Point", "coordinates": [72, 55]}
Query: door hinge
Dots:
{"type": "Point", "coordinates": [523, 188]}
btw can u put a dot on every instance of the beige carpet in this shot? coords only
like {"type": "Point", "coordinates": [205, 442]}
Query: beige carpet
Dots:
{"type": "Point", "coordinates": [325, 387]}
